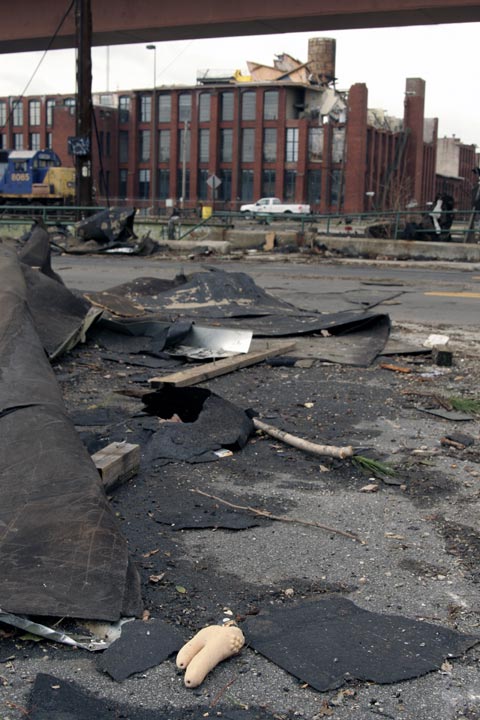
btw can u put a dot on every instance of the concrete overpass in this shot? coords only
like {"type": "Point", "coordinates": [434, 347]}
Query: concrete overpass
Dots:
{"type": "Point", "coordinates": [30, 24]}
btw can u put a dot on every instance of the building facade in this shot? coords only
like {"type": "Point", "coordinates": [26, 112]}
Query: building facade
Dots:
{"type": "Point", "coordinates": [283, 130]}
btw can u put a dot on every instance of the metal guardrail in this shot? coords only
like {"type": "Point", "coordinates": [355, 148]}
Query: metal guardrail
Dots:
{"type": "Point", "coordinates": [49, 215]}
{"type": "Point", "coordinates": [338, 224]}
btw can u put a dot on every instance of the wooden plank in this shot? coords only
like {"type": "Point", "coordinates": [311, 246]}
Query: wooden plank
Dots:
{"type": "Point", "coordinates": [117, 463]}
{"type": "Point", "coordinates": [200, 373]}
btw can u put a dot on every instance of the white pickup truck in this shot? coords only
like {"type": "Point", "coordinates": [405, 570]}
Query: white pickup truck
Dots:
{"type": "Point", "coordinates": [274, 206]}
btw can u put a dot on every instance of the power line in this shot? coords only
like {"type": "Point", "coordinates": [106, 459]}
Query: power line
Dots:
{"type": "Point", "coordinates": [50, 43]}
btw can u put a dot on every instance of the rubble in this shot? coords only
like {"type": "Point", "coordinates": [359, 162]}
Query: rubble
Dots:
{"type": "Point", "coordinates": [179, 543]}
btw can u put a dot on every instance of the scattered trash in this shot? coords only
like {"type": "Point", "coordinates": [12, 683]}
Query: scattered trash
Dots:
{"type": "Point", "coordinates": [436, 341]}
{"type": "Point", "coordinates": [395, 368]}
{"type": "Point", "coordinates": [207, 649]}
{"type": "Point", "coordinates": [204, 343]}
{"type": "Point", "coordinates": [117, 463]}
{"type": "Point", "coordinates": [457, 440]}
{"type": "Point", "coordinates": [86, 642]}
{"type": "Point", "coordinates": [442, 358]}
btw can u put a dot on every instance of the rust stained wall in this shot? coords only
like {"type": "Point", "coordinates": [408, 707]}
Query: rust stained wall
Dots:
{"type": "Point", "coordinates": [29, 25]}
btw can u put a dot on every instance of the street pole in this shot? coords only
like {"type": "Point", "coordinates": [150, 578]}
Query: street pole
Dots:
{"type": "Point", "coordinates": [154, 127]}
{"type": "Point", "coordinates": [184, 161]}
{"type": "Point", "coordinates": [83, 105]}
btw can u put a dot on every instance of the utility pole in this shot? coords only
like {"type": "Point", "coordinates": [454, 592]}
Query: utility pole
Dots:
{"type": "Point", "coordinates": [82, 147]}
{"type": "Point", "coordinates": [154, 127]}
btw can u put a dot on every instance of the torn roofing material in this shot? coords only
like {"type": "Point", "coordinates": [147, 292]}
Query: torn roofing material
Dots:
{"type": "Point", "coordinates": [61, 551]}
{"type": "Point", "coordinates": [330, 641]}
{"type": "Point", "coordinates": [235, 298]}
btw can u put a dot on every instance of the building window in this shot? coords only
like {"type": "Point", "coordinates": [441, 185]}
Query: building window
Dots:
{"type": "Point", "coordinates": [164, 107]}
{"type": "Point", "coordinates": [246, 182]}
{"type": "Point", "coordinates": [202, 187]}
{"type": "Point", "coordinates": [164, 145]}
{"type": "Point", "coordinates": [184, 145]}
{"type": "Point", "coordinates": [145, 109]}
{"type": "Point", "coordinates": [203, 145]}
{"type": "Point", "coordinates": [289, 179]}
{"type": "Point", "coordinates": [249, 101]}
{"type": "Point", "coordinates": [248, 145]}
{"type": "Point", "coordinates": [270, 105]}
{"type": "Point", "coordinates": [338, 144]}
{"type": "Point", "coordinates": [163, 183]}
{"type": "Point", "coordinates": [34, 141]}
{"type": "Point", "coordinates": [226, 106]}
{"type": "Point", "coordinates": [269, 144]}
{"type": "Point", "coordinates": [18, 141]}
{"type": "Point", "coordinates": [49, 105]}
{"type": "Point", "coordinates": [184, 107]}
{"type": "Point", "coordinates": [108, 144]}
{"type": "Point", "coordinates": [49, 140]}
{"type": "Point", "coordinates": [3, 113]}
{"type": "Point", "coordinates": [268, 183]}
{"type": "Point", "coordinates": [144, 184]}
{"type": "Point", "coordinates": [34, 113]}
{"type": "Point", "coordinates": [226, 145]}
{"type": "Point", "coordinates": [336, 190]}
{"type": "Point", "coordinates": [204, 107]}
{"type": "Point", "coordinates": [123, 109]}
{"type": "Point", "coordinates": [180, 180]}
{"type": "Point", "coordinates": [315, 144]}
{"type": "Point", "coordinates": [70, 103]}
{"type": "Point", "coordinates": [314, 187]}
{"type": "Point", "coordinates": [106, 100]}
{"type": "Point", "coordinates": [144, 145]}
{"type": "Point", "coordinates": [225, 189]}
{"type": "Point", "coordinates": [104, 182]}
{"type": "Point", "coordinates": [291, 145]}
{"type": "Point", "coordinates": [123, 183]}
{"type": "Point", "coordinates": [123, 146]}
{"type": "Point", "coordinates": [17, 113]}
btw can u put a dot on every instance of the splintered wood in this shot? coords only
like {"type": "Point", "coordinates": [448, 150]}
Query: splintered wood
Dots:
{"type": "Point", "coordinates": [117, 463]}
{"type": "Point", "coordinates": [201, 373]}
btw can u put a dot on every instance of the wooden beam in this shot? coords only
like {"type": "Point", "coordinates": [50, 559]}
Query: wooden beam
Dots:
{"type": "Point", "coordinates": [117, 463]}
{"type": "Point", "coordinates": [201, 373]}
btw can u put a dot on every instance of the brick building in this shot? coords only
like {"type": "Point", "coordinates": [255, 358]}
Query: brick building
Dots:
{"type": "Point", "coordinates": [283, 130]}
{"type": "Point", "coordinates": [456, 163]}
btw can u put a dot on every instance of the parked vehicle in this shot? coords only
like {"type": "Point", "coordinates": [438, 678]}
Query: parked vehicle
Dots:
{"type": "Point", "coordinates": [274, 206]}
{"type": "Point", "coordinates": [35, 177]}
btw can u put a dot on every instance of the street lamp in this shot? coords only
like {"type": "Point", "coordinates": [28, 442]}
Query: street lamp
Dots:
{"type": "Point", "coordinates": [154, 126]}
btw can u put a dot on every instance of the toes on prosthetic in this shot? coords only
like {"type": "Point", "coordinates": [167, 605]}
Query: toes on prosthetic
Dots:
{"type": "Point", "coordinates": [208, 648]}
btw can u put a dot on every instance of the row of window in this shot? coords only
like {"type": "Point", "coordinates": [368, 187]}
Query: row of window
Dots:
{"type": "Point", "coordinates": [34, 141]}
{"type": "Point", "coordinates": [164, 109]}
{"type": "Point", "coordinates": [15, 111]}
{"type": "Point", "coordinates": [224, 192]}
{"type": "Point", "coordinates": [247, 145]}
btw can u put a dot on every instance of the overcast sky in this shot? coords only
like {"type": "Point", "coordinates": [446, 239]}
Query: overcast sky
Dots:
{"type": "Point", "coordinates": [445, 56]}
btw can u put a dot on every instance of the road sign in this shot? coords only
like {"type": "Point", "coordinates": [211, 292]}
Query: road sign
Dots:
{"type": "Point", "coordinates": [214, 182]}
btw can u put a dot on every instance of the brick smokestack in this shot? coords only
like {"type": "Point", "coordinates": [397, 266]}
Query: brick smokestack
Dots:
{"type": "Point", "coordinates": [356, 149]}
{"type": "Point", "coordinates": [321, 59]}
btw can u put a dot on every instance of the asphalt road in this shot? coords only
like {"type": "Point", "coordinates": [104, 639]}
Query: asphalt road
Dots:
{"type": "Point", "coordinates": [431, 294]}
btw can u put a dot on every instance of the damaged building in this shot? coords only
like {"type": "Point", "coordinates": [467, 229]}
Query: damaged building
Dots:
{"type": "Point", "coordinates": [285, 130]}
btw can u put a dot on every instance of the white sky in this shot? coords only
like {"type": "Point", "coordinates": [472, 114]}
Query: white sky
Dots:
{"type": "Point", "coordinates": [445, 56]}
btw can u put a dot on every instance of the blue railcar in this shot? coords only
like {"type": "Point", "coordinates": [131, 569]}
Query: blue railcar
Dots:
{"type": "Point", "coordinates": [35, 176]}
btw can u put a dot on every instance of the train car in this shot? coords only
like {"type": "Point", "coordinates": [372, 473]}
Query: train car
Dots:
{"type": "Point", "coordinates": [35, 177]}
